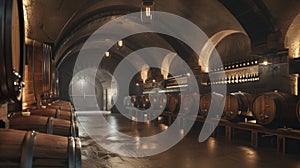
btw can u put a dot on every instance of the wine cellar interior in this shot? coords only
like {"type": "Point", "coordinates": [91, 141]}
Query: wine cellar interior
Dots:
{"type": "Point", "coordinates": [149, 83]}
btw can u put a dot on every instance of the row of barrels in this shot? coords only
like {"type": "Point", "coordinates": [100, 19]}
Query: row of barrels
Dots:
{"type": "Point", "coordinates": [274, 109]}
{"type": "Point", "coordinates": [51, 139]}
{"type": "Point", "coordinates": [26, 148]}
{"type": "Point", "coordinates": [57, 118]}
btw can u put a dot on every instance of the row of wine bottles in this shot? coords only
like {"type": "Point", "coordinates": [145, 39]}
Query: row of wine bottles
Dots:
{"type": "Point", "coordinates": [234, 65]}
{"type": "Point", "coordinates": [235, 79]}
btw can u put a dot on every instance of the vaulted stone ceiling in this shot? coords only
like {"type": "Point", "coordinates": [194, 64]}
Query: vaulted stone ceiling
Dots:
{"type": "Point", "coordinates": [262, 20]}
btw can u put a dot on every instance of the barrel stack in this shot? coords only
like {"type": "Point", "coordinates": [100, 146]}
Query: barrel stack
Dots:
{"type": "Point", "coordinates": [28, 142]}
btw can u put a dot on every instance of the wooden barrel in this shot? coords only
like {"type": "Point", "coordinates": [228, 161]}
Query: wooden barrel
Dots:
{"type": "Point", "coordinates": [145, 102]}
{"type": "Point", "coordinates": [127, 102]}
{"type": "Point", "coordinates": [204, 104]}
{"type": "Point", "coordinates": [275, 109]}
{"type": "Point", "coordinates": [134, 101]}
{"type": "Point", "coordinates": [158, 101]}
{"type": "Point", "coordinates": [56, 113]}
{"type": "Point", "coordinates": [32, 149]}
{"type": "Point", "coordinates": [47, 125]}
{"type": "Point", "coordinates": [46, 70]}
{"type": "Point", "coordinates": [238, 104]}
{"type": "Point", "coordinates": [63, 108]}
{"type": "Point", "coordinates": [11, 50]}
{"type": "Point", "coordinates": [187, 102]}
{"type": "Point", "coordinates": [62, 102]}
{"type": "Point", "coordinates": [173, 103]}
{"type": "Point", "coordinates": [298, 111]}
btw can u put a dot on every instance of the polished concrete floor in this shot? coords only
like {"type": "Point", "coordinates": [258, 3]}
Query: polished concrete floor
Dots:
{"type": "Point", "coordinates": [188, 153]}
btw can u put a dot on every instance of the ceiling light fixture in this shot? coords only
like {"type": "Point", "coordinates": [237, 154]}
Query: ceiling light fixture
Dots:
{"type": "Point", "coordinates": [146, 11]}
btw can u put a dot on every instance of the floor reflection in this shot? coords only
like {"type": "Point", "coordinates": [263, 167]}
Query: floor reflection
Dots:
{"type": "Point", "coordinates": [187, 153]}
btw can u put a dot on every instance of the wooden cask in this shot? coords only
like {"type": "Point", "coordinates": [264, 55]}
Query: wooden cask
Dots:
{"type": "Point", "coordinates": [238, 104]}
{"type": "Point", "coordinates": [187, 102]}
{"type": "Point", "coordinates": [47, 125]}
{"type": "Point", "coordinates": [206, 100]}
{"type": "Point", "coordinates": [55, 113]}
{"type": "Point", "coordinates": [145, 102]}
{"type": "Point", "coordinates": [32, 149]}
{"type": "Point", "coordinates": [173, 103]}
{"type": "Point", "coordinates": [158, 101]}
{"type": "Point", "coordinates": [127, 102]}
{"type": "Point", "coordinates": [204, 104]}
{"type": "Point", "coordinates": [61, 107]}
{"type": "Point", "coordinates": [275, 109]}
{"type": "Point", "coordinates": [11, 50]}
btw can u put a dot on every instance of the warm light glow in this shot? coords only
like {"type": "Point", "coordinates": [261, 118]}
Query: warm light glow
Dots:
{"type": "Point", "coordinates": [265, 63]}
{"type": "Point", "coordinates": [144, 73]}
{"type": "Point", "coordinates": [292, 39]}
{"type": "Point", "coordinates": [252, 121]}
{"type": "Point", "coordinates": [137, 84]}
{"type": "Point", "coordinates": [107, 54]}
{"type": "Point", "coordinates": [208, 48]}
{"type": "Point", "coordinates": [148, 11]}
{"type": "Point", "coordinates": [166, 63]}
{"type": "Point", "coordinates": [188, 74]}
{"type": "Point", "coordinates": [182, 131]}
{"type": "Point", "coordinates": [153, 80]}
{"type": "Point", "coordinates": [120, 43]}
{"type": "Point", "coordinates": [160, 118]}
{"type": "Point", "coordinates": [295, 82]}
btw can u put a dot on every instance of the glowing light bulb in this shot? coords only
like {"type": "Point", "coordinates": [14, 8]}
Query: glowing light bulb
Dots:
{"type": "Point", "coordinates": [120, 43]}
{"type": "Point", "coordinates": [148, 11]}
{"type": "Point", "coordinates": [107, 54]}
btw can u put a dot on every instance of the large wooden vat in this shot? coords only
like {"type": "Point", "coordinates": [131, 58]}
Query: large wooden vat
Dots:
{"type": "Point", "coordinates": [275, 109]}
{"type": "Point", "coordinates": [238, 104]}
{"type": "Point", "coordinates": [206, 100]}
{"type": "Point", "coordinates": [173, 103]}
{"type": "Point", "coordinates": [47, 125]}
{"type": "Point", "coordinates": [11, 50]}
{"type": "Point", "coordinates": [31, 149]}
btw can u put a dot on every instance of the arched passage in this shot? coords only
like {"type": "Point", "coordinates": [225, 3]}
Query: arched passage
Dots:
{"type": "Point", "coordinates": [292, 38]}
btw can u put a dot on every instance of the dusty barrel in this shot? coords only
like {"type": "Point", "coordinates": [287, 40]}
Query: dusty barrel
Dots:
{"type": "Point", "coordinates": [31, 149]}
{"type": "Point", "coordinates": [55, 113]}
{"type": "Point", "coordinates": [158, 101]}
{"type": "Point", "coordinates": [238, 104]}
{"type": "Point", "coordinates": [47, 125]}
{"type": "Point", "coordinates": [11, 50]}
{"type": "Point", "coordinates": [275, 109]}
{"type": "Point", "coordinates": [173, 103]}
